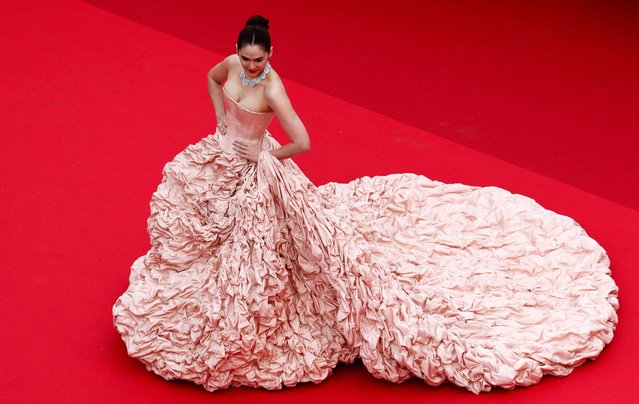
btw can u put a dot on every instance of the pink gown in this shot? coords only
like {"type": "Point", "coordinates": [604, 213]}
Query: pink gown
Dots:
{"type": "Point", "coordinates": [257, 277]}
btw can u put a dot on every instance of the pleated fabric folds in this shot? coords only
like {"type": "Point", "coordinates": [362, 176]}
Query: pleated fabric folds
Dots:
{"type": "Point", "coordinates": [257, 277]}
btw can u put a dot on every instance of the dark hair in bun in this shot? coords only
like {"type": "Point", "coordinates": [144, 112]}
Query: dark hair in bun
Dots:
{"type": "Point", "coordinates": [255, 33]}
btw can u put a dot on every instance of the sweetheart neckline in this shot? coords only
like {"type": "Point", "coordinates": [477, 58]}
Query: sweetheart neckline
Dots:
{"type": "Point", "coordinates": [242, 106]}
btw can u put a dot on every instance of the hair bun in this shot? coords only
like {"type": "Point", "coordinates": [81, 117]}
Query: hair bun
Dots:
{"type": "Point", "coordinates": [258, 21]}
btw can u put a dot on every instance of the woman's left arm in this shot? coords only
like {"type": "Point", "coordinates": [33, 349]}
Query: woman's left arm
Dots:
{"type": "Point", "coordinates": [291, 123]}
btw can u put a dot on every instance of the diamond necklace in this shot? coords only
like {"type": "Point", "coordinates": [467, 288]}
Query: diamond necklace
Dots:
{"type": "Point", "coordinates": [253, 82]}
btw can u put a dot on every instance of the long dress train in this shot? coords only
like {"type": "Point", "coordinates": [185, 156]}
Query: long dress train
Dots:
{"type": "Point", "coordinates": [257, 277]}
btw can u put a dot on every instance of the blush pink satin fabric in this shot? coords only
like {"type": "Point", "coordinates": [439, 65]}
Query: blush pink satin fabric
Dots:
{"type": "Point", "coordinates": [242, 124]}
{"type": "Point", "coordinates": [256, 277]}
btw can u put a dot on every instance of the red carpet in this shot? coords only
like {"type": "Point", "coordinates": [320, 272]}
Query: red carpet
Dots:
{"type": "Point", "coordinates": [538, 84]}
{"type": "Point", "coordinates": [95, 104]}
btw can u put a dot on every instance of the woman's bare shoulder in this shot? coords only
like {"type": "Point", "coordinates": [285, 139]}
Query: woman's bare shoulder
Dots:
{"type": "Point", "coordinates": [232, 60]}
{"type": "Point", "coordinates": [220, 72]}
{"type": "Point", "coordinates": [274, 85]}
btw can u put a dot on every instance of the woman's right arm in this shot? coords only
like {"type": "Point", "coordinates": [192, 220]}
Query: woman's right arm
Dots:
{"type": "Point", "coordinates": [216, 78]}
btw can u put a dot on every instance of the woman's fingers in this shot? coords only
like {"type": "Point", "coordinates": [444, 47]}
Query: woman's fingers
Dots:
{"type": "Point", "coordinates": [244, 150]}
{"type": "Point", "coordinates": [240, 147]}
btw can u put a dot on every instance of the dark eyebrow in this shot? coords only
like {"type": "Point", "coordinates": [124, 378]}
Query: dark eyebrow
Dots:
{"type": "Point", "coordinates": [261, 57]}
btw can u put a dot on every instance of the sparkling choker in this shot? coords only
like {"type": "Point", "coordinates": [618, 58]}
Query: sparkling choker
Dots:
{"type": "Point", "coordinates": [253, 82]}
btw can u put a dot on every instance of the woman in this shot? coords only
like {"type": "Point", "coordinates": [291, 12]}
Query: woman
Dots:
{"type": "Point", "coordinates": [257, 277]}
{"type": "Point", "coordinates": [262, 91]}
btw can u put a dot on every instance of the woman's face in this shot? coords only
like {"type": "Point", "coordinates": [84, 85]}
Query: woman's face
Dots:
{"type": "Point", "coordinates": [253, 59]}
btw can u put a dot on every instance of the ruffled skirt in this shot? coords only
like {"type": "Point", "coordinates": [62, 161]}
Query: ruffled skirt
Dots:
{"type": "Point", "coordinates": [256, 277]}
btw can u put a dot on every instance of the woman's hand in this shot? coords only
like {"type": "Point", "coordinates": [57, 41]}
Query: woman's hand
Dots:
{"type": "Point", "coordinates": [250, 151]}
{"type": "Point", "coordinates": [222, 124]}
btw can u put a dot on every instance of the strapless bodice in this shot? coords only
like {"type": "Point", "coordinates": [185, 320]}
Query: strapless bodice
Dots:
{"type": "Point", "coordinates": [242, 123]}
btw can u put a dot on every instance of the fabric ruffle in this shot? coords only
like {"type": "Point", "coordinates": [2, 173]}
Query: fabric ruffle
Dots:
{"type": "Point", "coordinates": [256, 277]}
